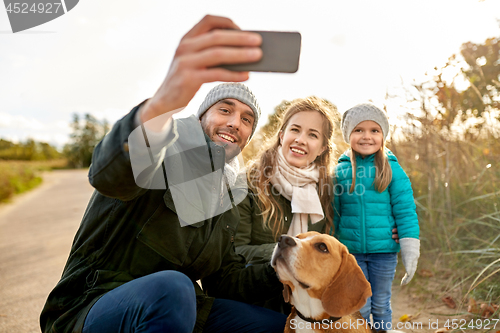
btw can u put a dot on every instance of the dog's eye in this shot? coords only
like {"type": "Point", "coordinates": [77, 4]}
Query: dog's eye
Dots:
{"type": "Point", "coordinates": [322, 247]}
{"type": "Point", "coordinates": [303, 285]}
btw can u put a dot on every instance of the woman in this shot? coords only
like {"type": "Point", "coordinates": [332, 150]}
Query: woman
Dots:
{"type": "Point", "coordinates": [290, 187]}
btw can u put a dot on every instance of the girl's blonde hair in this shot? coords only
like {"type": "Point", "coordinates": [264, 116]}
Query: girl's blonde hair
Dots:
{"type": "Point", "coordinates": [264, 165]}
{"type": "Point", "coordinates": [383, 169]}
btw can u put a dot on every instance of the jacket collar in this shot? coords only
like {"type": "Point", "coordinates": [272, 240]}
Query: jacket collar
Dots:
{"type": "Point", "coordinates": [346, 156]}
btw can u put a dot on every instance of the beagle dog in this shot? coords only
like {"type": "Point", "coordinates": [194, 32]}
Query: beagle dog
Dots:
{"type": "Point", "coordinates": [322, 282]}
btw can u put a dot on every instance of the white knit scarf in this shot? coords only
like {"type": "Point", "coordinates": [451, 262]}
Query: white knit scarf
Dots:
{"type": "Point", "coordinates": [299, 185]}
{"type": "Point", "coordinates": [231, 170]}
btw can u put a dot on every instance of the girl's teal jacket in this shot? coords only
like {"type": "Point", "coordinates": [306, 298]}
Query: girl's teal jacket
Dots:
{"type": "Point", "coordinates": [364, 219]}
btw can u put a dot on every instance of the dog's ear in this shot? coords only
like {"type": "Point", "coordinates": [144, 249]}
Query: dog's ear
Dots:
{"type": "Point", "coordinates": [286, 293]}
{"type": "Point", "coordinates": [348, 290]}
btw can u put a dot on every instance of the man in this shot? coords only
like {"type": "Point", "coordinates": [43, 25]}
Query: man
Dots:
{"type": "Point", "coordinates": [163, 214]}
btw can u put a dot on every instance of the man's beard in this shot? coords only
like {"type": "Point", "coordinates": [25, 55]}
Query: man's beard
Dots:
{"type": "Point", "coordinates": [231, 150]}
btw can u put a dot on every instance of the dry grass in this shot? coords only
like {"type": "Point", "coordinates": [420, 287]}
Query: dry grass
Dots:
{"type": "Point", "coordinates": [456, 185]}
{"type": "Point", "coordinates": [20, 176]}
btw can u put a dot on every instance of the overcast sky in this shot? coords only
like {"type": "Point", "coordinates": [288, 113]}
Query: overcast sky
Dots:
{"type": "Point", "coordinates": [104, 57]}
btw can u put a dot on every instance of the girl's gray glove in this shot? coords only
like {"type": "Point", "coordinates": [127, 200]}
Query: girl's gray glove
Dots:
{"type": "Point", "coordinates": [410, 251]}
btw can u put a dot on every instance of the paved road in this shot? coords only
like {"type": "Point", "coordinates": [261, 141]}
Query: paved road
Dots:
{"type": "Point", "coordinates": [36, 231]}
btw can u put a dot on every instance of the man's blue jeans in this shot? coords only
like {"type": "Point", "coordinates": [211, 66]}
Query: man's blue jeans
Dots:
{"type": "Point", "coordinates": [166, 302]}
{"type": "Point", "coordinates": [379, 270]}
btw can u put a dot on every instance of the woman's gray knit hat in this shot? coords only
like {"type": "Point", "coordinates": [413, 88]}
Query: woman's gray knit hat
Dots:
{"type": "Point", "coordinates": [360, 113]}
{"type": "Point", "coordinates": [234, 90]}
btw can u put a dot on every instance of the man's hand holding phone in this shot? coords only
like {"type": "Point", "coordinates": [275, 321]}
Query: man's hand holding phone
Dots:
{"type": "Point", "coordinates": [213, 41]}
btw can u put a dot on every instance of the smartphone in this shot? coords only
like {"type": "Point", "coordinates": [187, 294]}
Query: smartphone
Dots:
{"type": "Point", "coordinates": [280, 53]}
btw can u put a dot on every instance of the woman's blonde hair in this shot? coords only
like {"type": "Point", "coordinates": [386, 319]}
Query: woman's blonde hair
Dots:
{"type": "Point", "coordinates": [383, 174]}
{"type": "Point", "coordinates": [264, 165]}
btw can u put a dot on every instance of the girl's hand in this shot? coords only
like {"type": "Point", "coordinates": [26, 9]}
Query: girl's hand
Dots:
{"type": "Point", "coordinates": [410, 252]}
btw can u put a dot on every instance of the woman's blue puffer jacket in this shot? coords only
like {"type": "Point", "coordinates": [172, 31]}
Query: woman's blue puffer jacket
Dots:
{"type": "Point", "coordinates": [364, 219]}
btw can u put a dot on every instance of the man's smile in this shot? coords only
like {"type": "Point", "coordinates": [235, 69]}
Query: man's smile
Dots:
{"type": "Point", "coordinates": [227, 137]}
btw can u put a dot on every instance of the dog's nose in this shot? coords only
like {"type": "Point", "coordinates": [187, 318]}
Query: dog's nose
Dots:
{"type": "Point", "coordinates": [286, 241]}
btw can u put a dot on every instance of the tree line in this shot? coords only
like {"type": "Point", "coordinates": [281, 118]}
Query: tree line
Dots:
{"type": "Point", "coordinates": [27, 151]}
{"type": "Point", "coordinates": [86, 132]}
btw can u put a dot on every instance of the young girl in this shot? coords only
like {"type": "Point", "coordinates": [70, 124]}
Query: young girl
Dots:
{"type": "Point", "coordinates": [290, 186]}
{"type": "Point", "coordinates": [369, 203]}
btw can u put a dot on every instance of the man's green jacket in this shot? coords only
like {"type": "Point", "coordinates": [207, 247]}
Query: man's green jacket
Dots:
{"type": "Point", "coordinates": [128, 232]}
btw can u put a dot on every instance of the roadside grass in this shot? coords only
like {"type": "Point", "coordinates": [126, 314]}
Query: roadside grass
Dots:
{"type": "Point", "coordinates": [20, 176]}
{"type": "Point", "coordinates": [456, 186]}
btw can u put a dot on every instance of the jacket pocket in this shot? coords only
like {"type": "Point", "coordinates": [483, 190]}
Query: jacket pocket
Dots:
{"type": "Point", "coordinates": [107, 280]}
{"type": "Point", "coordinates": [164, 235]}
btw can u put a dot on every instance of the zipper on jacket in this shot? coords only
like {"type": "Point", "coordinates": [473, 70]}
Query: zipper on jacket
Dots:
{"type": "Point", "coordinates": [363, 221]}
{"type": "Point", "coordinates": [363, 224]}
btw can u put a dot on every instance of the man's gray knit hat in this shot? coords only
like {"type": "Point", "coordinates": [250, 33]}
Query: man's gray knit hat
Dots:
{"type": "Point", "coordinates": [360, 113]}
{"type": "Point", "coordinates": [234, 90]}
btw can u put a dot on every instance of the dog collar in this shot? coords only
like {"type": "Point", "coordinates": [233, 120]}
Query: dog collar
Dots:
{"type": "Point", "coordinates": [331, 319]}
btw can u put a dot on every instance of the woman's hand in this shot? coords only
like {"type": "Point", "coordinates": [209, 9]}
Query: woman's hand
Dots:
{"type": "Point", "coordinates": [395, 235]}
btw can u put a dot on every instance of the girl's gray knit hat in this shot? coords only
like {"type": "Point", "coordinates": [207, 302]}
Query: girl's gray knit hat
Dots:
{"type": "Point", "coordinates": [359, 113]}
{"type": "Point", "coordinates": [234, 90]}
